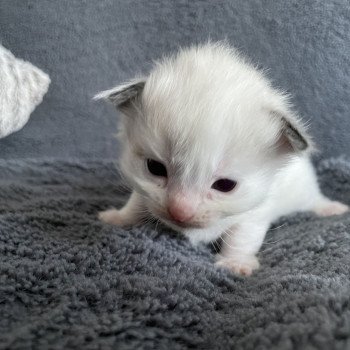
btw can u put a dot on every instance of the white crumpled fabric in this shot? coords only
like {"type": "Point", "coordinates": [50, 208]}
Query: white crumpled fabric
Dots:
{"type": "Point", "coordinates": [22, 88]}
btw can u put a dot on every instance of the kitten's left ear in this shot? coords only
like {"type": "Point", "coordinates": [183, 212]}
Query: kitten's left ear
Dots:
{"type": "Point", "coordinates": [125, 95]}
{"type": "Point", "coordinates": [293, 136]}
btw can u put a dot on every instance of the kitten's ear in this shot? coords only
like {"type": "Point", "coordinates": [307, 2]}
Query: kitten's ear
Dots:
{"type": "Point", "coordinates": [293, 135]}
{"type": "Point", "coordinates": [125, 95]}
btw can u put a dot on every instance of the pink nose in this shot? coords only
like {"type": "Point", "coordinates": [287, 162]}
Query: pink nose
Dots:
{"type": "Point", "coordinates": [180, 209]}
{"type": "Point", "coordinates": [178, 214]}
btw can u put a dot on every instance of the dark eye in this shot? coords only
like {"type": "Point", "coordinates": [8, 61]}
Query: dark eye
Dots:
{"type": "Point", "coordinates": [224, 185]}
{"type": "Point", "coordinates": [156, 168]}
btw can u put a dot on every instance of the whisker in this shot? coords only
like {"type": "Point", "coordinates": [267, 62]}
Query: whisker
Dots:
{"type": "Point", "coordinates": [227, 243]}
{"type": "Point", "coordinates": [157, 223]}
{"type": "Point", "coordinates": [216, 248]}
{"type": "Point", "coordinates": [275, 228]}
{"type": "Point", "coordinates": [273, 242]}
{"type": "Point", "coordinates": [242, 247]}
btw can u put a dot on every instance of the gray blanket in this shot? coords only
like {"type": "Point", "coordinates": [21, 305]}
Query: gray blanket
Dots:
{"type": "Point", "coordinates": [68, 281]}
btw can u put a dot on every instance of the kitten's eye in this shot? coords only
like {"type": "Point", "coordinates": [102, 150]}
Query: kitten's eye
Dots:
{"type": "Point", "coordinates": [156, 168]}
{"type": "Point", "coordinates": [224, 185]}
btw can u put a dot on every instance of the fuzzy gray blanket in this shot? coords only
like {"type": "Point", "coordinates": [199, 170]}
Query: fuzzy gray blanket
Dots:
{"type": "Point", "coordinates": [68, 281]}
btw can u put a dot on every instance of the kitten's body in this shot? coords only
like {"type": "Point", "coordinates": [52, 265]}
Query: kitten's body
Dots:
{"type": "Point", "coordinates": [205, 116]}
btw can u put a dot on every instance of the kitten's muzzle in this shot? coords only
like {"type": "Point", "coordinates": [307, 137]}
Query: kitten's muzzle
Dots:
{"type": "Point", "coordinates": [181, 208]}
{"type": "Point", "coordinates": [180, 215]}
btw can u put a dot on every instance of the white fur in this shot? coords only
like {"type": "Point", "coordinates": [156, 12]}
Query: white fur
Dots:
{"type": "Point", "coordinates": [205, 113]}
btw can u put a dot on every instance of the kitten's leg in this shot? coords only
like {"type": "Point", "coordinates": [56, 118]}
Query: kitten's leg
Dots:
{"type": "Point", "coordinates": [239, 246]}
{"type": "Point", "coordinates": [129, 215]}
{"type": "Point", "coordinates": [326, 207]}
{"type": "Point", "coordinates": [197, 236]}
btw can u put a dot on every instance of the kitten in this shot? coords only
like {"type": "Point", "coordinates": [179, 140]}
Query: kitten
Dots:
{"type": "Point", "coordinates": [211, 149]}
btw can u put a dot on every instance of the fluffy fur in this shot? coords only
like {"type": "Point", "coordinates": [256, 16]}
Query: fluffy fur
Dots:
{"type": "Point", "coordinates": [206, 114]}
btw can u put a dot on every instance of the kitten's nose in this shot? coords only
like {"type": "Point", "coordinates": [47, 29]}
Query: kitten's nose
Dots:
{"type": "Point", "coordinates": [181, 209]}
{"type": "Point", "coordinates": [179, 214]}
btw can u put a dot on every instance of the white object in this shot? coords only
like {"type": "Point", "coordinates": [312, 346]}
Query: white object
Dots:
{"type": "Point", "coordinates": [22, 88]}
{"type": "Point", "coordinates": [213, 150]}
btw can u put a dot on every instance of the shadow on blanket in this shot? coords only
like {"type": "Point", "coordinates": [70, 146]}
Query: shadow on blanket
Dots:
{"type": "Point", "coordinates": [68, 281]}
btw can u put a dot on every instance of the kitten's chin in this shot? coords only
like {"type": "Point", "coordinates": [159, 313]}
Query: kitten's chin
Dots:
{"type": "Point", "coordinates": [182, 226]}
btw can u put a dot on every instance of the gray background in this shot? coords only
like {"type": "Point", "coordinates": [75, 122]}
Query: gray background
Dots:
{"type": "Point", "coordinates": [87, 46]}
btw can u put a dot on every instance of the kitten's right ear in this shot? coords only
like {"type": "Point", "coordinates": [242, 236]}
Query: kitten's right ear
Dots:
{"type": "Point", "coordinates": [293, 135]}
{"type": "Point", "coordinates": [125, 95]}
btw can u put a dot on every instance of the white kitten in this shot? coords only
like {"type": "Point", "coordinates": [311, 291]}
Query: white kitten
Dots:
{"type": "Point", "coordinates": [211, 149]}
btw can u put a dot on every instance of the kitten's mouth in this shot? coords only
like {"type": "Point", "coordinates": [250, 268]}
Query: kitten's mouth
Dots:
{"type": "Point", "coordinates": [175, 224]}
{"type": "Point", "coordinates": [181, 225]}
{"type": "Point", "coordinates": [163, 216]}
{"type": "Point", "coordinates": [187, 224]}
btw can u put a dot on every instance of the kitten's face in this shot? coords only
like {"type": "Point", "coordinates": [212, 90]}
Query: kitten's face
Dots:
{"type": "Point", "coordinates": [201, 136]}
{"type": "Point", "coordinates": [186, 191]}
{"type": "Point", "coordinates": [193, 172]}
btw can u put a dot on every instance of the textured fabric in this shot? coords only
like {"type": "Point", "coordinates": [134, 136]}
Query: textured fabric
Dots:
{"type": "Point", "coordinates": [22, 87]}
{"type": "Point", "coordinates": [88, 46]}
{"type": "Point", "coordinates": [68, 281]}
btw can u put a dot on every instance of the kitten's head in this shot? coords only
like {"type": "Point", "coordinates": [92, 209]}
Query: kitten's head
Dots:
{"type": "Point", "coordinates": [203, 136]}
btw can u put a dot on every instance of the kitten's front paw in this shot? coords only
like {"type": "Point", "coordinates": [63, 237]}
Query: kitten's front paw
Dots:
{"type": "Point", "coordinates": [111, 216]}
{"type": "Point", "coordinates": [240, 265]}
{"type": "Point", "coordinates": [331, 208]}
